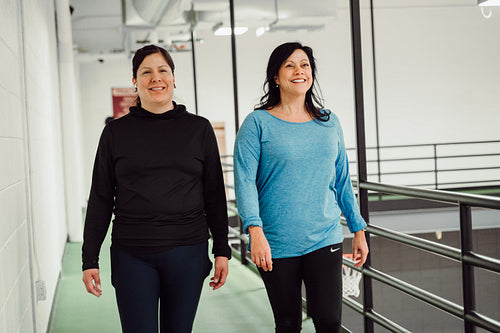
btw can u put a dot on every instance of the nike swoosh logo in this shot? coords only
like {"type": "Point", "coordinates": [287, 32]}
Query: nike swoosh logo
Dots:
{"type": "Point", "coordinates": [334, 250]}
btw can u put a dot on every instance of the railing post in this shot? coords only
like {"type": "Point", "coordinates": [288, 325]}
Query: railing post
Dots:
{"type": "Point", "coordinates": [195, 82]}
{"type": "Point", "coordinates": [435, 167]}
{"type": "Point", "coordinates": [243, 246]}
{"type": "Point", "coordinates": [468, 286]}
{"type": "Point", "coordinates": [235, 78]}
{"type": "Point", "coordinates": [361, 149]}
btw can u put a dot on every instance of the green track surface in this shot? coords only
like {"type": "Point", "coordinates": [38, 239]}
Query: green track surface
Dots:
{"type": "Point", "coordinates": [241, 305]}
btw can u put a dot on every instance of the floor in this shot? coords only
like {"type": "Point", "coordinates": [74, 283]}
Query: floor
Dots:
{"type": "Point", "coordinates": [238, 307]}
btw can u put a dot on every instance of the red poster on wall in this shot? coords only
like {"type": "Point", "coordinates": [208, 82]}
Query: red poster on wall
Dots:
{"type": "Point", "coordinates": [123, 98]}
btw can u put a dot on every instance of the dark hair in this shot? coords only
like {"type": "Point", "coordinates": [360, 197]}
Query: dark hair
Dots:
{"type": "Point", "coordinates": [142, 53]}
{"type": "Point", "coordinates": [271, 98]}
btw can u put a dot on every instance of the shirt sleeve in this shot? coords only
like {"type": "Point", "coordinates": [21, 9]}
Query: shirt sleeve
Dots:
{"type": "Point", "coordinates": [101, 202]}
{"type": "Point", "coordinates": [343, 186]}
{"type": "Point", "coordinates": [247, 150]}
{"type": "Point", "coordinates": [214, 194]}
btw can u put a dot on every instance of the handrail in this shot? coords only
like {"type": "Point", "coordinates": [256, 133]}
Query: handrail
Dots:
{"type": "Point", "coordinates": [435, 195]}
{"type": "Point", "coordinates": [410, 289]}
{"type": "Point", "coordinates": [477, 153]}
{"type": "Point", "coordinates": [423, 244]}
{"type": "Point", "coordinates": [465, 255]}
{"type": "Point", "coordinates": [432, 144]}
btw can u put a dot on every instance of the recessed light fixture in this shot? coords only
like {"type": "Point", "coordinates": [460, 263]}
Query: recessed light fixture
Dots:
{"type": "Point", "coordinates": [226, 31]}
{"type": "Point", "coordinates": [261, 30]}
{"type": "Point", "coordinates": [488, 2]}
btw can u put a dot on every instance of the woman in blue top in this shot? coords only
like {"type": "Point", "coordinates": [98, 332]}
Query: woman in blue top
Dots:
{"type": "Point", "coordinates": [292, 184]}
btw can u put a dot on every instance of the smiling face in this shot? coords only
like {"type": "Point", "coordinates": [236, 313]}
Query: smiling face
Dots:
{"type": "Point", "coordinates": [295, 74]}
{"type": "Point", "coordinates": [155, 83]}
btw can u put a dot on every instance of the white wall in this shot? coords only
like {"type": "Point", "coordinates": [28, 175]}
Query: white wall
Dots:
{"type": "Point", "coordinates": [15, 282]}
{"type": "Point", "coordinates": [437, 71]}
{"type": "Point", "coordinates": [437, 77]}
{"type": "Point", "coordinates": [32, 205]}
{"type": "Point", "coordinates": [15, 290]}
{"type": "Point", "coordinates": [48, 217]}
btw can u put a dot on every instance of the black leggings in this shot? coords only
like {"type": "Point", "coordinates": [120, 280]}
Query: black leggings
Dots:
{"type": "Point", "coordinates": [321, 272]}
{"type": "Point", "coordinates": [173, 278]}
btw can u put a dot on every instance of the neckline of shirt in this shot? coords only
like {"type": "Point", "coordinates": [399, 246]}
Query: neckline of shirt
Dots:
{"type": "Point", "coordinates": [286, 121]}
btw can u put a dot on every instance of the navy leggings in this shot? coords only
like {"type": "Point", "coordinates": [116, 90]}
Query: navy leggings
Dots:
{"type": "Point", "coordinates": [173, 278]}
{"type": "Point", "coordinates": [321, 272]}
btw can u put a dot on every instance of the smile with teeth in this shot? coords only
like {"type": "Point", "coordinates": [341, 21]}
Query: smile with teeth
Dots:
{"type": "Point", "coordinates": [298, 80]}
{"type": "Point", "coordinates": [157, 88]}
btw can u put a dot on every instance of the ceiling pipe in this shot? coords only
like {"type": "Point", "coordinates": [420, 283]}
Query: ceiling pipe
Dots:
{"type": "Point", "coordinates": [273, 26]}
{"type": "Point", "coordinates": [147, 15]}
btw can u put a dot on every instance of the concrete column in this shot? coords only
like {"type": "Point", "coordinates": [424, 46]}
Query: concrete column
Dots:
{"type": "Point", "coordinates": [71, 124]}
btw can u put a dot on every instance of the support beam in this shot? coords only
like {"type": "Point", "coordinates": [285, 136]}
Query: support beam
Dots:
{"type": "Point", "coordinates": [235, 77]}
{"type": "Point", "coordinates": [361, 148]}
{"type": "Point", "coordinates": [195, 82]}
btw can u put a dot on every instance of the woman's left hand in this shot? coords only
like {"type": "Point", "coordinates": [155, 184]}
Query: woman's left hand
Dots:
{"type": "Point", "coordinates": [221, 271]}
{"type": "Point", "coordinates": [359, 245]}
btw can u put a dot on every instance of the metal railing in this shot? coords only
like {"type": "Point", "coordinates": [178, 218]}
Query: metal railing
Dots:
{"type": "Point", "coordinates": [464, 255]}
{"type": "Point", "coordinates": [434, 165]}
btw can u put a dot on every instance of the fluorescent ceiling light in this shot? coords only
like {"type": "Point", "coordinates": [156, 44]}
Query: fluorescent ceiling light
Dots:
{"type": "Point", "coordinates": [261, 30]}
{"type": "Point", "coordinates": [489, 2]}
{"type": "Point", "coordinates": [226, 31]}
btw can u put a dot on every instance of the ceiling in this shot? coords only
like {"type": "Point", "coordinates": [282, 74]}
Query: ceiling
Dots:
{"type": "Point", "coordinates": [122, 26]}
{"type": "Point", "coordinates": [104, 27]}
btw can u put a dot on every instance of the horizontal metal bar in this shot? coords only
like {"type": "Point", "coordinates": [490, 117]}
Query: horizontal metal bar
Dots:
{"type": "Point", "coordinates": [431, 144]}
{"type": "Point", "coordinates": [471, 182]}
{"type": "Point", "coordinates": [483, 321]}
{"type": "Point", "coordinates": [473, 259]}
{"type": "Point", "coordinates": [383, 173]}
{"type": "Point", "coordinates": [423, 295]}
{"type": "Point", "coordinates": [471, 155]}
{"type": "Point", "coordinates": [344, 329]}
{"type": "Point", "coordinates": [445, 183]}
{"type": "Point", "coordinates": [435, 195]}
{"type": "Point", "coordinates": [232, 209]}
{"type": "Point", "coordinates": [423, 244]}
{"type": "Point", "coordinates": [432, 157]}
{"type": "Point", "coordinates": [376, 317]}
{"type": "Point", "coordinates": [353, 304]}
{"type": "Point", "coordinates": [236, 233]}
{"type": "Point", "coordinates": [385, 322]}
{"type": "Point", "coordinates": [405, 172]}
{"type": "Point", "coordinates": [383, 160]}
{"type": "Point", "coordinates": [451, 183]}
{"type": "Point", "coordinates": [467, 169]}
{"type": "Point", "coordinates": [485, 262]}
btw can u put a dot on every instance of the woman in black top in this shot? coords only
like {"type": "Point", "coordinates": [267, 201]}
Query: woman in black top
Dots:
{"type": "Point", "coordinates": [158, 170]}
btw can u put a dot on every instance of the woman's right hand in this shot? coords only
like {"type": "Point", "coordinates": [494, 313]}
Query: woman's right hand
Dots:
{"type": "Point", "coordinates": [259, 248]}
{"type": "Point", "coordinates": [92, 281]}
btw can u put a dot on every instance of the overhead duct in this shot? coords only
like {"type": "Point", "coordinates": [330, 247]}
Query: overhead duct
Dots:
{"type": "Point", "coordinates": [150, 14]}
{"type": "Point", "coordinates": [304, 20]}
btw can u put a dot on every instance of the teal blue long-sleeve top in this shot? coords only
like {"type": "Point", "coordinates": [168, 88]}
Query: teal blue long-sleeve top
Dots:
{"type": "Point", "coordinates": [292, 179]}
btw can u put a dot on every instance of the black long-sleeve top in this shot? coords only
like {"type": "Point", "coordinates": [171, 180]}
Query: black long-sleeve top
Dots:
{"type": "Point", "coordinates": [160, 174]}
